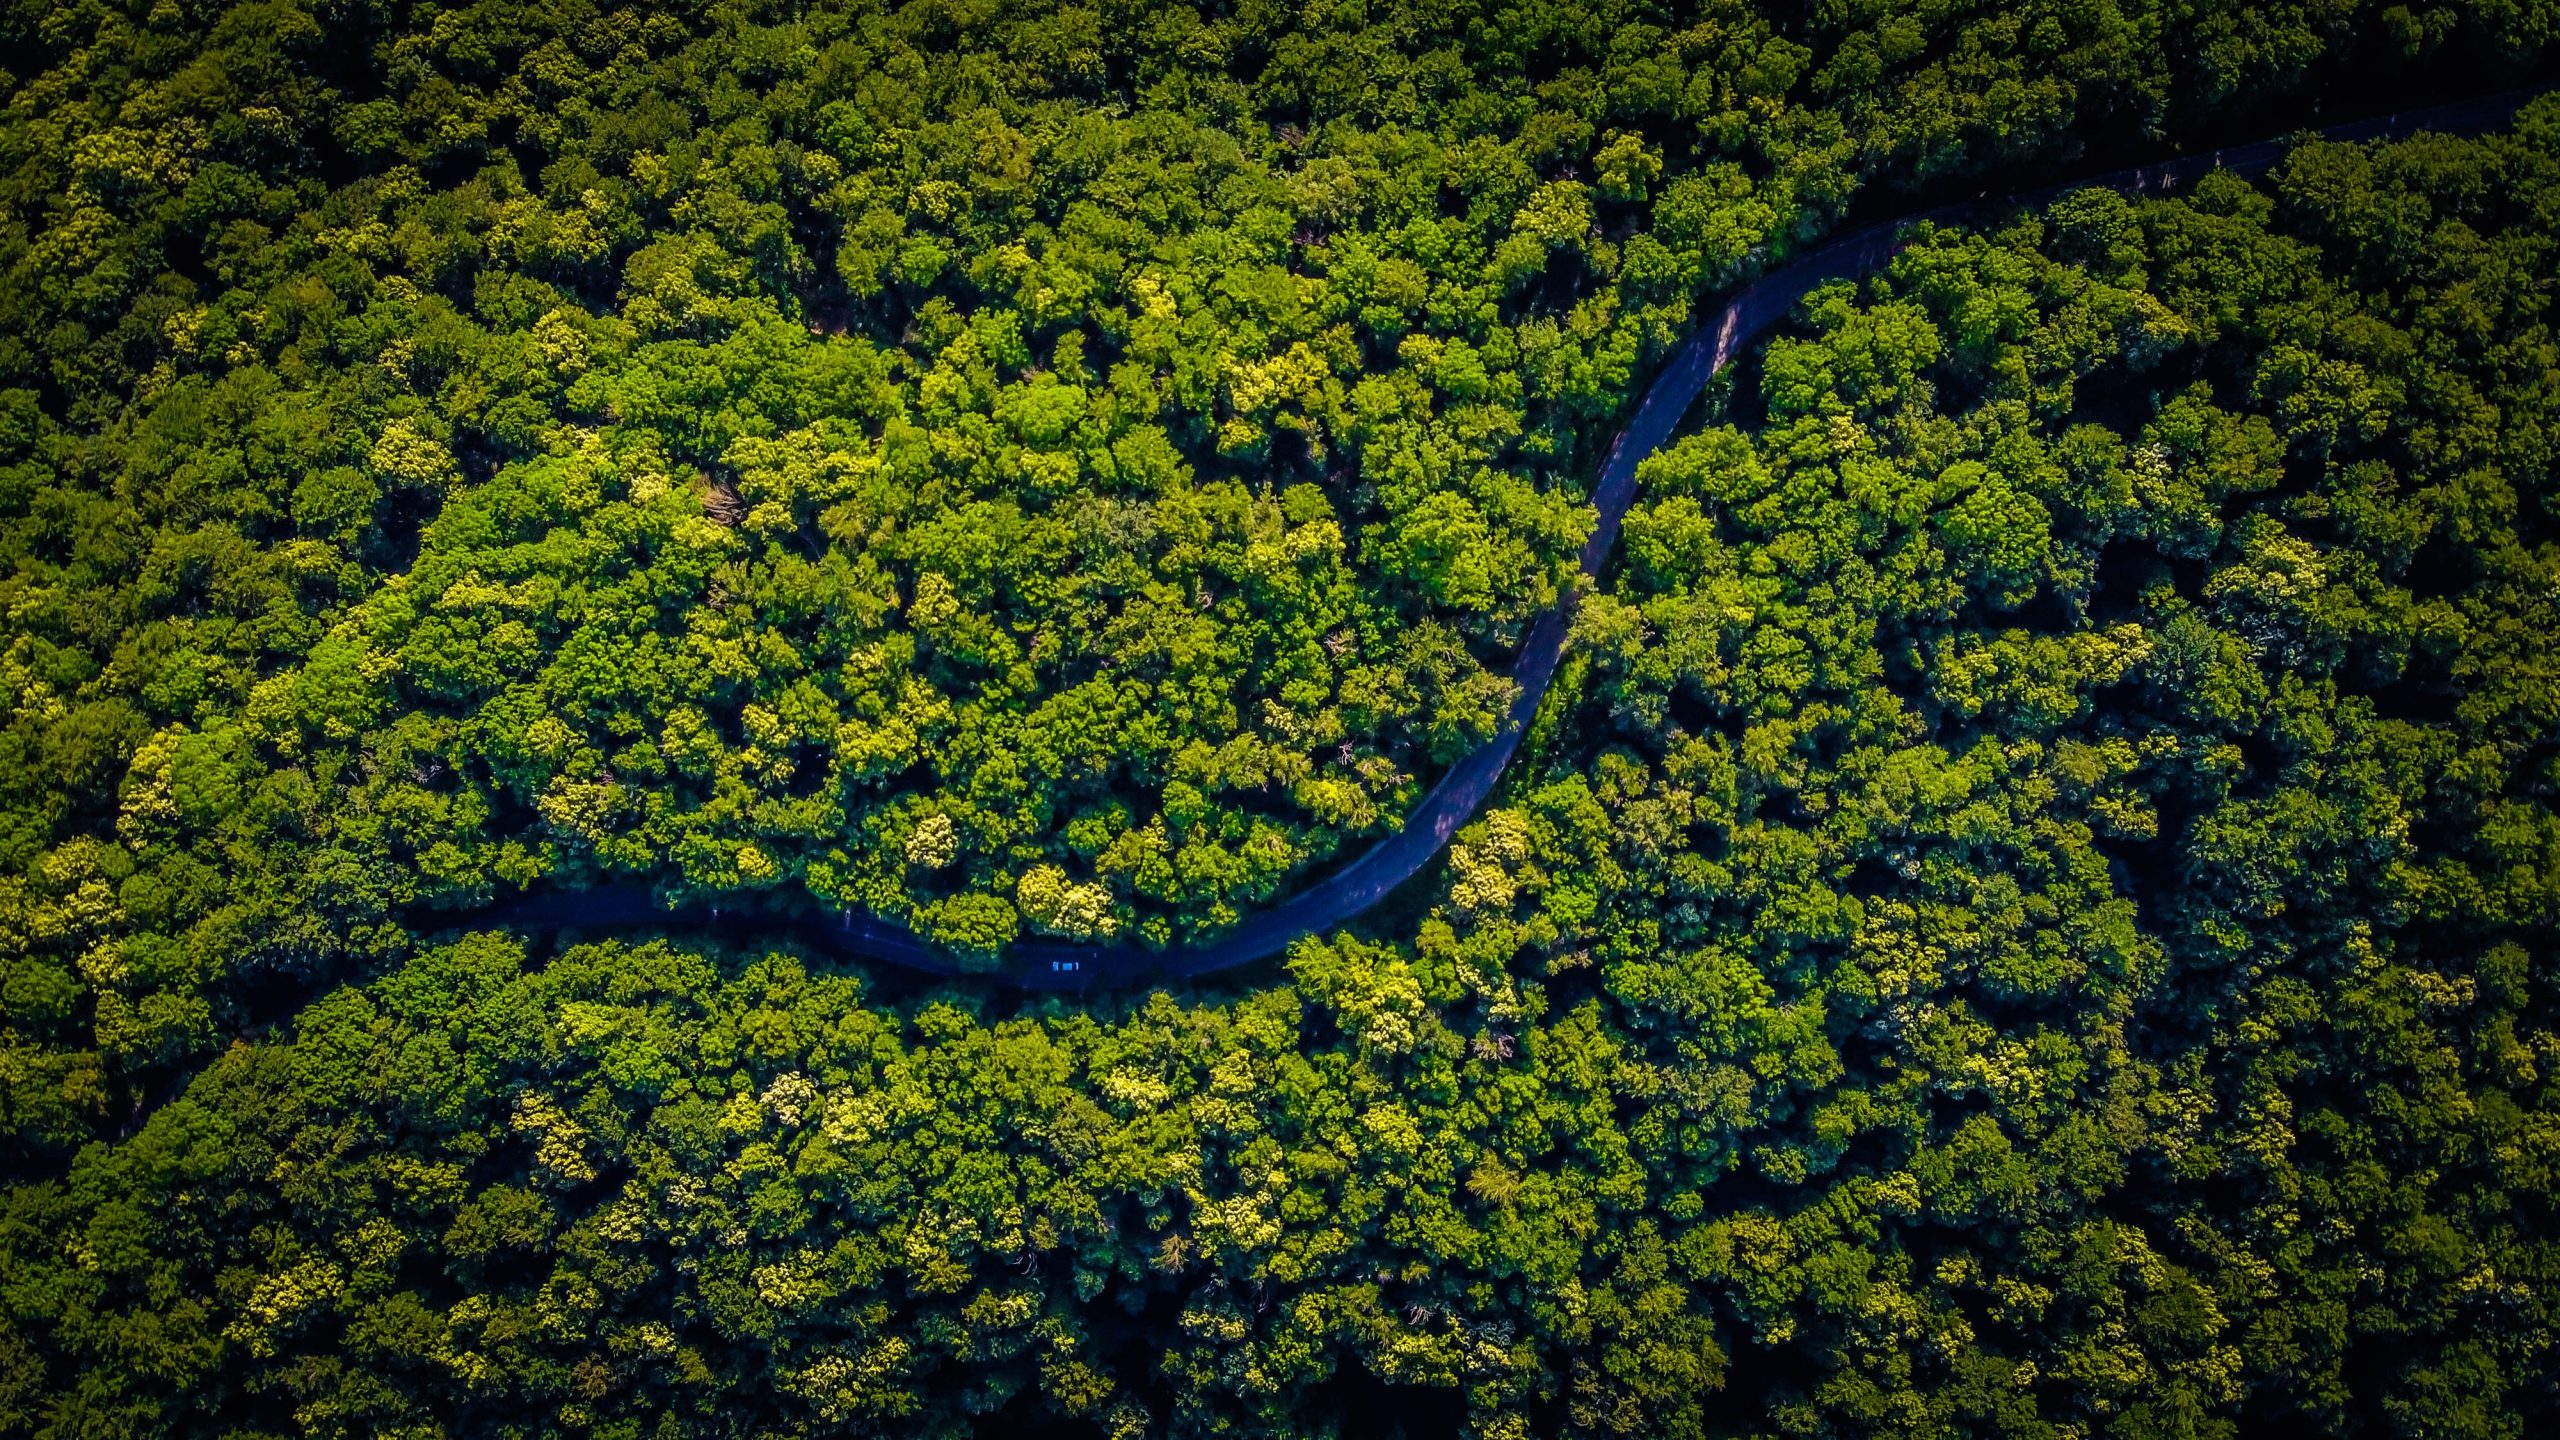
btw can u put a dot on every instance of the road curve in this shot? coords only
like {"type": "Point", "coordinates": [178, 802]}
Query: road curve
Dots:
{"type": "Point", "coordinates": [1044, 964]}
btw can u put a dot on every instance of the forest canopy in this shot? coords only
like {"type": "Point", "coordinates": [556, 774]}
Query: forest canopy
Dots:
{"type": "Point", "coordinates": [2027, 912]}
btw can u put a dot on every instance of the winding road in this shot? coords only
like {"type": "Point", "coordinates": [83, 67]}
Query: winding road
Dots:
{"type": "Point", "coordinates": [1044, 964]}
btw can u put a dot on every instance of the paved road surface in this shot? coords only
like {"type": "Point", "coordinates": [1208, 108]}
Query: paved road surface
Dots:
{"type": "Point", "coordinates": [1345, 894]}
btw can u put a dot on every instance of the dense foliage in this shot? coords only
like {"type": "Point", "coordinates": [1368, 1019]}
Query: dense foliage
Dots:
{"type": "Point", "coordinates": [1009, 467]}
{"type": "Point", "coordinates": [2028, 913]}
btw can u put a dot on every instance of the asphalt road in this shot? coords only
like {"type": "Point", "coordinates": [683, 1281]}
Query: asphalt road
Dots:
{"type": "Point", "coordinates": [1348, 892]}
